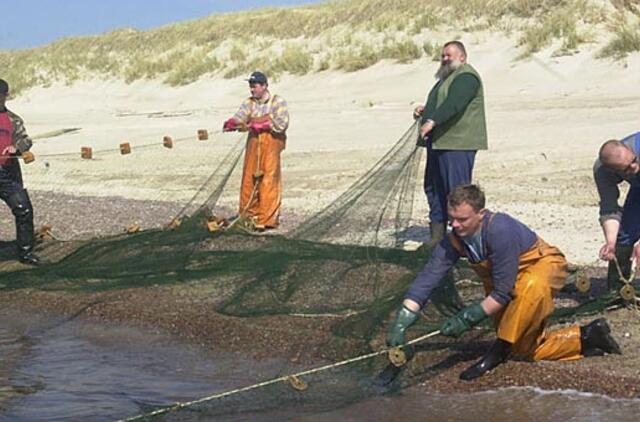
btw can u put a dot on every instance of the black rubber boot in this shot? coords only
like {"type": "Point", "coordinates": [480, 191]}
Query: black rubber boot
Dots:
{"type": "Point", "coordinates": [436, 233]}
{"type": "Point", "coordinates": [22, 210]}
{"type": "Point", "coordinates": [623, 255]}
{"type": "Point", "coordinates": [595, 339]}
{"type": "Point", "coordinates": [497, 354]}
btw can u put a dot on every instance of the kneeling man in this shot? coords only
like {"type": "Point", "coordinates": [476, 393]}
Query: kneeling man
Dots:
{"type": "Point", "coordinates": [520, 272]}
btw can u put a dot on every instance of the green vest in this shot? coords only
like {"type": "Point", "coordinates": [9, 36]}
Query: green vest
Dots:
{"type": "Point", "coordinates": [466, 130]}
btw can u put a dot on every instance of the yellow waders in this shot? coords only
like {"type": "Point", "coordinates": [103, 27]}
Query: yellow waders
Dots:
{"type": "Point", "coordinates": [261, 188]}
{"type": "Point", "coordinates": [541, 274]}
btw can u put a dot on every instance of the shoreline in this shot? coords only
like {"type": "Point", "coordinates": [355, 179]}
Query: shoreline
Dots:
{"type": "Point", "coordinates": [186, 311]}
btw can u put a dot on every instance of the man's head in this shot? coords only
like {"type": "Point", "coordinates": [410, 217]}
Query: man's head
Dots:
{"type": "Point", "coordinates": [4, 92]}
{"type": "Point", "coordinates": [619, 158]}
{"type": "Point", "coordinates": [465, 206]}
{"type": "Point", "coordinates": [258, 84]}
{"type": "Point", "coordinates": [453, 56]}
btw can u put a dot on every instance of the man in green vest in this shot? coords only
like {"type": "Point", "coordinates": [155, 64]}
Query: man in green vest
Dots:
{"type": "Point", "coordinates": [452, 128]}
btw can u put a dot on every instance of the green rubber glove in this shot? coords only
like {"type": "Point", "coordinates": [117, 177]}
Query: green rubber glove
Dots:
{"type": "Point", "coordinates": [405, 317]}
{"type": "Point", "coordinates": [462, 322]}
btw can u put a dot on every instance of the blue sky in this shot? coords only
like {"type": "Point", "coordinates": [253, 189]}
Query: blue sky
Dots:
{"type": "Point", "coordinates": [32, 23]}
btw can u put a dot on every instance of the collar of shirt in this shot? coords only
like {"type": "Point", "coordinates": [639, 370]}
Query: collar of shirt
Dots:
{"type": "Point", "coordinates": [265, 98]}
{"type": "Point", "coordinates": [474, 245]}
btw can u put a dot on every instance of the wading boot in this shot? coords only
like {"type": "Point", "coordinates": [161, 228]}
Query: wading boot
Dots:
{"type": "Point", "coordinates": [623, 255]}
{"type": "Point", "coordinates": [22, 210]}
{"type": "Point", "coordinates": [30, 258]}
{"type": "Point", "coordinates": [595, 339]}
{"type": "Point", "coordinates": [497, 354]}
{"type": "Point", "coordinates": [436, 233]}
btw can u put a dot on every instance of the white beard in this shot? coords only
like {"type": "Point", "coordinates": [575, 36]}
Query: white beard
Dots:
{"type": "Point", "coordinates": [445, 70]}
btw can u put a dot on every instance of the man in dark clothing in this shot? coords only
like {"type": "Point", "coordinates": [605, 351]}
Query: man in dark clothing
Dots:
{"type": "Point", "coordinates": [13, 142]}
{"type": "Point", "coordinates": [453, 128]}
{"type": "Point", "coordinates": [618, 162]}
{"type": "Point", "coordinates": [520, 272]}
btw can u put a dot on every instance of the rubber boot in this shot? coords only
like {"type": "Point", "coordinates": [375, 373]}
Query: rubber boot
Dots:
{"type": "Point", "coordinates": [595, 339]}
{"type": "Point", "coordinates": [22, 210]}
{"type": "Point", "coordinates": [436, 233]}
{"type": "Point", "coordinates": [497, 354]}
{"type": "Point", "coordinates": [623, 255]}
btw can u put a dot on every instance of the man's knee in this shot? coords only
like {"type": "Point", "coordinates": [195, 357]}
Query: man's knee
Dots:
{"type": "Point", "coordinates": [20, 205]}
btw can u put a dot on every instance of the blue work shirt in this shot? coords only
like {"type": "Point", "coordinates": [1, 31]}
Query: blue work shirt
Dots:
{"type": "Point", "coordinates": [503, 240]}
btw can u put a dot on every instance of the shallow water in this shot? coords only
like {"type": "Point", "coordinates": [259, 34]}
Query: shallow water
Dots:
{"type": "Point", "coordinates": [508, 404]}
{"type": "Point", "coordinates": [65, 370]}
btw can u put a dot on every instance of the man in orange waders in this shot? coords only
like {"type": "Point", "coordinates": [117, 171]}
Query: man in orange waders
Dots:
{"type": "Point", "coordinates": [520, 273]}
{"type": "Point", "coordinates": [266, 116]}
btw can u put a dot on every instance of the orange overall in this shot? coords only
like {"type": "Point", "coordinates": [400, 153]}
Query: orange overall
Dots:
{"type": "Point", "coordinates": [261, 189]}
{"type": "Point", "coordinates": [541, 274]}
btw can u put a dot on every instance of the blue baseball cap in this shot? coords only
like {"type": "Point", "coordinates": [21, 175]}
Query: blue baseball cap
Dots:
{"type": "Point", "coordinates": [4, 87]}
{"type": "Point", "coordinates": [257, 78]}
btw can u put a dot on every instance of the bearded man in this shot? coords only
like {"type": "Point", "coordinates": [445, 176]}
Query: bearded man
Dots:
{"type": "Point", "coordinates": [452, 128]}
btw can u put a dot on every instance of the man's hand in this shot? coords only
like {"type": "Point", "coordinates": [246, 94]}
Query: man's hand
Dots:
{"type": "Point", "coordinates": [260, 126]}
{"type": "Point", "coordinates": [405, 317]}
{"type": "Point", "coordinates": [608, 251]}
{"type": "Point", "coordinates": [462, 322]}
{"type": "Point", "coordinates": [9, 150]}
{"type": "Point", "coordinates": [230, 125]}
{"type": "Point", "coordinates": [636, 253]}
{"type": "Point", "coordinates": [417, 112]}
{"type": "Point", "coordinates": [426, 128]}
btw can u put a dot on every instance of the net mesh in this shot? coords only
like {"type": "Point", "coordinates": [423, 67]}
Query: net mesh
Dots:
{"type": "Point", "coordinates": [339, 275]}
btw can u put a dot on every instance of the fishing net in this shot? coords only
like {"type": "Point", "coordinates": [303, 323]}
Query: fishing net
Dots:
{"type": "Point", "coordinates": [334, 282]}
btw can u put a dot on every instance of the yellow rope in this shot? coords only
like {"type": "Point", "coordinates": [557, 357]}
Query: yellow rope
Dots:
{"type": "Point", "coordinates": [135, 146]}
{"type": "Point", "coordinates": [627, 281]}
{"type": "Point", "coordinates": [184, 405]}
{"type": "Point", "coordinates": [252, 198]}
{"type": "Point", "coordinates": [632, 274]}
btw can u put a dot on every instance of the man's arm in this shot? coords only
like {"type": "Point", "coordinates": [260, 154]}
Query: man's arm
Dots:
{"type": "Point", "coordinates": [21, 139]}
{"type": "Point", "coordinates": [504, 255]}
{"type": "Point", "coordinates": [610, 228]}
{"type": "Point", "coordinates": [610, 211]}
{"type": "Point", "coordinates": [462, 90]}
{"type": "Point", "coordinates": [444, 257]}
{"type": "Point", "coordinates": [279, 115]}
{"type": "Point", "coordinates": [243, 115]}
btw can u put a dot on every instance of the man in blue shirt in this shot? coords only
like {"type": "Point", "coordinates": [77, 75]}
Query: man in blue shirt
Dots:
{"type": "Point", "coordinates": [520, 273]}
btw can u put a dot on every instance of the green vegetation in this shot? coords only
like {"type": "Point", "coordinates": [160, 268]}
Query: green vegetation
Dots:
{"type": "Point", "coordinates": [625, 41]}
{"type": "Point", "coordinates": [360, 57]}
{"type": "Point", "coordinates": [346, 35]}
{"type": "Point", "coordinates": [563, 25]}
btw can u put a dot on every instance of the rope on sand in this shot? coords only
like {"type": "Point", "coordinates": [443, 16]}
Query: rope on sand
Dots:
{"type": "Point", "coordinates": [286, 378]}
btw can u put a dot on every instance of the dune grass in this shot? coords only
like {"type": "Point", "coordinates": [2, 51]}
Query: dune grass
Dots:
{"type": "Point", "coordinates": [346, 35]}
{"type": "Point", "coordinates": [625, 26]}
